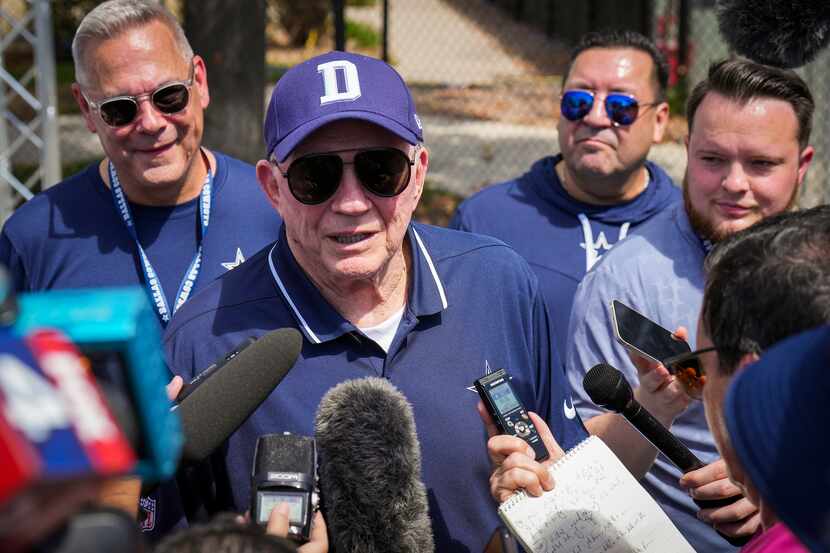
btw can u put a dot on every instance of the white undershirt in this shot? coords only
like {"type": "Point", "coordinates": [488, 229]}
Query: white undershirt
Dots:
{"type": "Point", "coordinates": [383, 334]}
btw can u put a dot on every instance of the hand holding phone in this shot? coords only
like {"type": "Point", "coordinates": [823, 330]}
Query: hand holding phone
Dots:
{"type": "Point", "coordinates": [650, 344]}
{"type": "Point", "coordinates": [643, 336]}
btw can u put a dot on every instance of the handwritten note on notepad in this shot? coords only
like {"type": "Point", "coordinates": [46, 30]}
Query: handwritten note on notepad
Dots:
{"type": "Point", "coordinates": [596, 506]}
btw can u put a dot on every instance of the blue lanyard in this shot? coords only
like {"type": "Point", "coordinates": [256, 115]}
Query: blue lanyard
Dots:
{"type": "Point", "coordinates": [151, 279]}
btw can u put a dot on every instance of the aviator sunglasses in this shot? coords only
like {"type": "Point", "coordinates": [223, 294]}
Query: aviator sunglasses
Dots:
{"type": "Point", "coordinates": [314, 178]}
{"type": "Point", "coordinates": [169, 99]}
{"type": "Point", "coordinates": [622, 109]}
{"type": "Point", "coordinates": [688, 370]}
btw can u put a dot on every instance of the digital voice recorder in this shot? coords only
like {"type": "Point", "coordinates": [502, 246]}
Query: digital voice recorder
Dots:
{"type": "Point", "coordinates": [507, 410]}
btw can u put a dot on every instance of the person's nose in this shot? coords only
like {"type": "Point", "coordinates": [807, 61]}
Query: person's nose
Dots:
{"type": "Point", "coordinates": [598, 116]}
{"type": "Point", "coordinates": [736, 179]}
{"type": "Point", "coordinates": [148, 118]}
{"type": "Point", "coordinates": [351, 197]}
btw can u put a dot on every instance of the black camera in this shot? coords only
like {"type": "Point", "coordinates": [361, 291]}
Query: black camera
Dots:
{"type": "Point", "coordinates": [507, 410]}
{"type": "Point", "coordinates": [285, 471]}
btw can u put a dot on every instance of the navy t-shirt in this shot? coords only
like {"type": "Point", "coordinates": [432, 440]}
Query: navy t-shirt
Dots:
{"type": "Point", "coordinates": [473, 307]}
{"type": "Point", "coordinates": [72, 236]}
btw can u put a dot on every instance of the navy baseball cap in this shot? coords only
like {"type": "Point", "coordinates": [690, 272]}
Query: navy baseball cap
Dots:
{"type": "Point", "coordinates": [777, 416]}
{"type": "Point", "coordinates": [334, 86]}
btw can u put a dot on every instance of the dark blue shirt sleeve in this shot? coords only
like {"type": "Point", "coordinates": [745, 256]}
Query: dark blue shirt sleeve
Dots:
{"type": "Point", "coordinates": [11, 260]}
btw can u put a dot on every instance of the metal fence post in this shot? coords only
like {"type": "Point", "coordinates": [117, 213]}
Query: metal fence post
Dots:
{"type": "Point", "coordinates": [50, 155]}
{"type": "Point", "coordinates": [6, 191]}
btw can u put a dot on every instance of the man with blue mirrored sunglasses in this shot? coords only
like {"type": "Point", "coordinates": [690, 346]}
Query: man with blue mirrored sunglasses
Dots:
{"type": "Point", "coordinates": [570, 208]}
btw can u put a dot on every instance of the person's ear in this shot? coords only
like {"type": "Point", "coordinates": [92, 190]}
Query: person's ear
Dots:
{"type": "Point", "coordinates": [804, 160]}
{"type": "Point", "coordinates": [661, 121]}
{"type": "Point", "coordinates": [747, 359]}
{"type": "Point", "coordinates": [420, 172]}
{"type": "Point", "coordinates": [200, 80]}
{"type": "Point", "coordinates": [268, 177]}
{"type": "Point", "coordinates": [83, 105]}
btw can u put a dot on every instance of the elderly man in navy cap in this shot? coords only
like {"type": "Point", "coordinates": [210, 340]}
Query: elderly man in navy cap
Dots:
{"type": "Point", "coordinates": [376, 294]}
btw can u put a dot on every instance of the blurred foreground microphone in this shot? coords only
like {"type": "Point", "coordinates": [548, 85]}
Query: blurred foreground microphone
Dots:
{"type": "Point", "coordinates": [116, 329]}
{"type": "Point", "coordinates": [38, 443]}
{"type": "Point", "coordinates": [285, 471]}
{"type": "Point", "coordinates": [96, 427]}
{"type": "Point", "coordinates": [57, 437]}
{"type": "Point", "coordinates": [608, 388]}
{"type": "Point", "coordinates": [213, 406]}
{"type": "Point", "coordinates": [371, 492]}
{"type": "Point", "coordinates": [784, 34]}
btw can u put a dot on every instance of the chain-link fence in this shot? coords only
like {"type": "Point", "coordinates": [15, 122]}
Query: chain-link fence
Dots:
{"type": "Point", "coordinates": [485, 74]}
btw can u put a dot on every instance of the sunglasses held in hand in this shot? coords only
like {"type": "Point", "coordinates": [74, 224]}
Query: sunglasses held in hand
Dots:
{"type": "Point", "coordinates": [314, 178]}
{"type": "Point", "coordinates": [169, 99]}
{"type": "Point", "coordinates": [622, 109]}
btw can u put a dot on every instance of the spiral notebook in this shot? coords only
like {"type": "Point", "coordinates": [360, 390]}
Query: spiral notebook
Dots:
{"type": "Point", "coordinates": [596, 505]}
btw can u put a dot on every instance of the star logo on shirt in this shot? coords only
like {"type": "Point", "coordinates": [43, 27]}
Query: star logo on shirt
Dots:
{"type": "Point", "coordinates": [236, 262]}
{"type": "Point", "coordinates": [487, 370]}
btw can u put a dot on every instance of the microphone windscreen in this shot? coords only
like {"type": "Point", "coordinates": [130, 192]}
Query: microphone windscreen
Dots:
{"type": "Point", "coordinates": [784, 34]}
{"type": "Point", "coordinates": [283, 453]}
{"type": "Point", "coordinates": [607, 387]}
{"type": "Point", "coordinates": [370, 470]}
{"type": "Point", "coordinates": [214, 410]}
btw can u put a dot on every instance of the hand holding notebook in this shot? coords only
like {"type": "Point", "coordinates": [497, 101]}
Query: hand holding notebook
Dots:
{"type": "Point", "coordinates": [596, 505]}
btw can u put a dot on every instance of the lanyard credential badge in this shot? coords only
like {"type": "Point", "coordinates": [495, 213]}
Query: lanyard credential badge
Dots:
{"type": "Point", "coordinates": [151, 279]}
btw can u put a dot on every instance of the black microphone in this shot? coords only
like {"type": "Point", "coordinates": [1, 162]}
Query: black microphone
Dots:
{"type": "Point", "coordinates": [369, 470]}
{"type": "Point", "coordinates": [608, 388]}
{"type": "Point", "coordinates": [217, 405]}
{"type": "Point", "coordinates": [784, 34]}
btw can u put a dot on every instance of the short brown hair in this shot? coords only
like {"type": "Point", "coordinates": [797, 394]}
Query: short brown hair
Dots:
{"type": "Point", "coordinates": [742, 80]}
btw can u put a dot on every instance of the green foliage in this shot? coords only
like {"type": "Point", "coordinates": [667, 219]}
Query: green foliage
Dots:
{"type": "Point", "coordinates": [273, 73]}
{"type": "Point", "coordinates": [361, 3]}
{"type": "Point", "coordinates": [436, 206]}
{"type": "Point", "coordinates": [301, 19]}
{"type": "Point", "coordinates": [361, 34]}
{"type": "Point", "coordinates": [677, 96]}
{"type": "Point", "coordinates": [65, 76]}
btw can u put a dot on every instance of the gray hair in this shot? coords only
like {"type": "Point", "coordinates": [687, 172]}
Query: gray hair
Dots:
{"type": "Point", "coordinates": [115, 16]}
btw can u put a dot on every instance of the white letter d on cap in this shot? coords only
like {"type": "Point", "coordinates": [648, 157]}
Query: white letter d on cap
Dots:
{"type": "Point", "coordinates": [329, 72]}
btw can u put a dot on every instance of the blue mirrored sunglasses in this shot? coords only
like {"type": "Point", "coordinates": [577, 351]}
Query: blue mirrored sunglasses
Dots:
{"type": "Point", "coordinates": [622, 110]}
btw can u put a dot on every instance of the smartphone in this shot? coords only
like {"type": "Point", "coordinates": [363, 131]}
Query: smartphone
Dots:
{"type": "Point", "coordinates": [643, 336]}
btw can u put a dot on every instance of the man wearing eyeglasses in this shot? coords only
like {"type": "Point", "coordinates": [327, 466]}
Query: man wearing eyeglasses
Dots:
{"type": "Point", "coordinates": [160, 211]}
{"type": "Point", "coordinates": [569, 209]}
{"type": "Point", "coordinates": [765, 284]}
{"type": "Point", "coordinates": [748, 152]}
{"type": "Point", "coordinates": [374, 293]}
